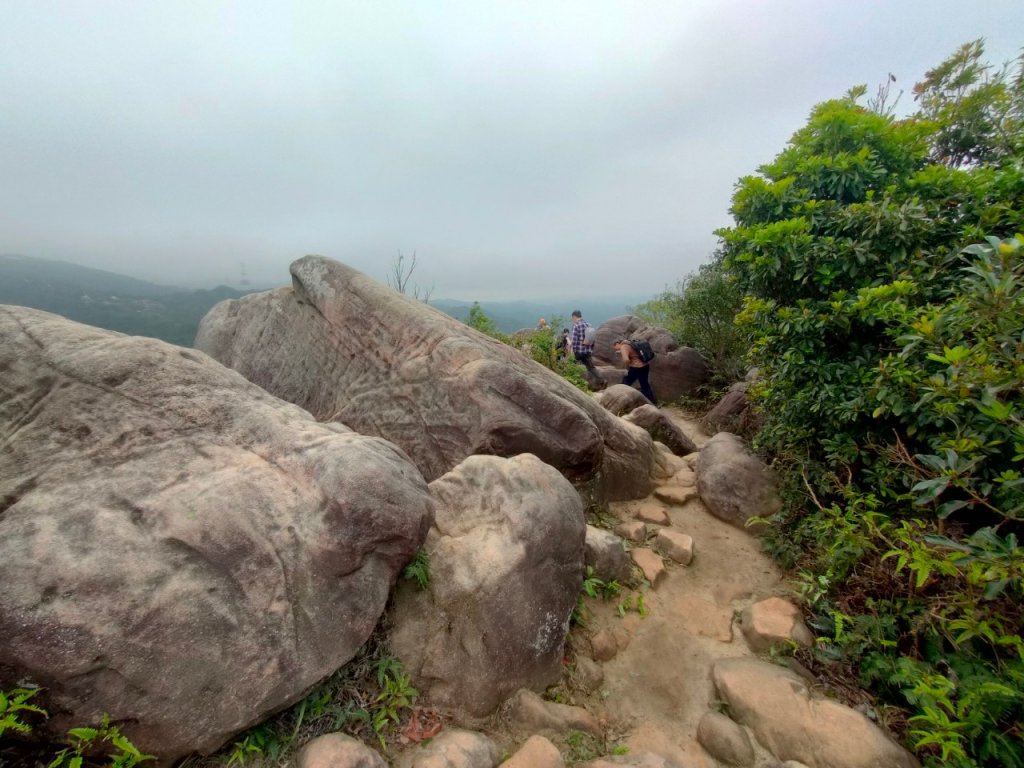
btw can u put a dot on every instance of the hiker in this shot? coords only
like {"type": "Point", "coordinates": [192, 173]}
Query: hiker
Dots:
{"type": "Point", "coordinates": [561, 344]}
{"type": "Point", "coordinates": [581, 342]}
{"type": "Point", "coordinates": [542, 324]}
{"type": "Point", "coordinates": [636, 369]}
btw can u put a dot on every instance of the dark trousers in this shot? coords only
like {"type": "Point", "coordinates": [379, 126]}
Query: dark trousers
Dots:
{"type": "Point", "coordinates": [640, 375]}
{"type": "Point", "coordinates": [593, 377]}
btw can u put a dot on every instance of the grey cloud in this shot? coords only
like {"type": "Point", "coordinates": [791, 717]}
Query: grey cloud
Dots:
{"type": "Point", "coordinates": [518, 149]}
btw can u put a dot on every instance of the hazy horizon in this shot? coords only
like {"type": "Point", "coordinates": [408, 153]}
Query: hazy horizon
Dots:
{"type": "Point", "coordinates": [587, 148]}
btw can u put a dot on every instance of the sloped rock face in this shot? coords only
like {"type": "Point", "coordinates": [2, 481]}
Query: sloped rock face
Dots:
{"type": "Point", "coordinates": [506, 565]}
{"type": "Point", "coordinates": [794, 725]}
{"type": "Point", "coordinates": [179, 549]}
{"type": "Point", "coordinates": [349, 349]}
{"type": "Point", "coordinates": [734, 484]}
{"type": "Point", "coordinates": [661, 428]}
{"type": "Point", "coordinates": [675, 370]}
{"type": "Point", "coordinates": [621, 399]}
{"type": "Point", "coordinates": [728, 413]}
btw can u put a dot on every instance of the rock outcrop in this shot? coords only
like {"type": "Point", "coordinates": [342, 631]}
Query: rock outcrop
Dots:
{"type": "Point", "coordinates": [661, 428]}
{"type": "Point", "coordinates": [180, 550]}
{"type": "Point", "coordinates": [774, 623]}
{"type": "Point", "coordinates": [506, 566]}
{"type": "Point", "coordinates": [620, 399]}
{"type": "Point", "coordinates": [351, 350]}
{"type": "Point", "coordinates": [733, 483]}
{"type": "Point", "coordinates": [606, 554]}
{"type": "Point", "coordinates": [728, 413]}
{"type": "Point", "coordinates": [336, 750]}
{"type": "Point", "coordinates": [795, 725]}
{"type": "Point", "coordinates": [675, 370]}
{"type": "Point", "coordinates": [452, 748]}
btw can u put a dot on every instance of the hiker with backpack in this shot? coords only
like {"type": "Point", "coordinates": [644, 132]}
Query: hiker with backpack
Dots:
{"type": "Point", "coordinates": [581, 342]}
{"type": "Point", "coordinates": [637, 355]}
{"type": "Point", "coordinates": [561, 344]}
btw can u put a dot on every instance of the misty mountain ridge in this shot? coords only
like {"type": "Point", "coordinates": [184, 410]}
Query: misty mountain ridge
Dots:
{"type": "Point", "coordinates": [140, 308]}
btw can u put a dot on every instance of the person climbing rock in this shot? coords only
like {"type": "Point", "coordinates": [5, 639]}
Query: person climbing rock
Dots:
{"type": "Point", "coordinates": [581, 342]}
{"type": "Point", "coordinates": [636, 369]}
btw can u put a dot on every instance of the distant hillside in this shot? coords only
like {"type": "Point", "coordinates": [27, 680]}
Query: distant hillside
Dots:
{"type": "Point", "coordinates": [136, 307]}
{"type": "Point", "coordinates": [510, 316]}
{"type": "Point", "coordinates": [108, 300]}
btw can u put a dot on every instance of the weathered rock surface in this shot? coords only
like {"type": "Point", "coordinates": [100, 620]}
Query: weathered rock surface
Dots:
{"type": "Point", "coordinates": [351, 350]}
{"type": "Point", "coordinates": [632, 530]}
{"type": "Point", "coordinates": [675, 545]}
{"type": "Point", "coordinates": [621, 399]}
{"type": "Point", "coordinates": [605, 553]}
{"type": "Point", "coordinates": [452, 748]}
{"type": "Point", "coordinates": [794, 725]}
{"type": "Point", "coordinates": [774, 622]}
{"type": "Point", "coordinates": [727, 414]}
{"type": "Point", "coordinates": [588, 674]}
{"type": "Point", "coordinates": [652, 512]}
{"type": "Point", "coordinates": [666, 464]}
{"type": "Point", "coordinates": [733, 483]}
{"type": "Point", "coordinates": [603, 645]}
{"type": "Point", "coordinates": [529, 711]}
{"type": "Point", "coordinates": [537, 752]}
{"type": "Point", "coordinates": [675, 370]}
{"type": "Point", "coordinates": [661, 428]}
{"type": "Point", "coordinates": [336, 750]}
{"type": "Point", "coordinates": [506, 565]}
{"type": "Point", "coordinates": [676, 495]}
{"type": "Point", "coordinates": [650, 563]}
{"type": "Point", "coordinates": [179, 549]}
{"type": "Point", "coordinates": [725, 740]}
{"type": "Point", "coordinates": [642, 760]}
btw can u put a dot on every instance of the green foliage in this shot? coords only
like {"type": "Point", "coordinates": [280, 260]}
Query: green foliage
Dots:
{"type": "Point", "coordinates": [479, 320]}
{"type": "Point", "coordinates": [367, 698]}
{"type": "Point", "coordinates": [82, 741]}
{"type": "Point", "coordinates": [418, 569]}
{"type": "Point", "coordinates": [633, 602]}
{"type": "Point", "coordinates": [583, 747]}
{"type": "Point", "coordinates": [891, 355]}
{"type": "Point", "coordinates": [574, 372]}
{"type": "Point", "coordinates": [595, 586]}
{"type": "Point", "coordinates": [396, 695]}
{"type": "Point", "coordinates": [14, 705]}
{"type": "Point", "coordinates": [977, 111]}
{"type": "Point", "coordinates": [699, 313]}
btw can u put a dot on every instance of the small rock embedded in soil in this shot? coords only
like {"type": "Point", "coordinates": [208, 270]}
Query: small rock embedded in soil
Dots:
{"type": "Point", "coordinates": [650, 563]}
{"type": "Point", "coordinates": [674, 545]}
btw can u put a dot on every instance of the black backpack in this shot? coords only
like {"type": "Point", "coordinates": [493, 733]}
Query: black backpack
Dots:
{"type": "Point", "coordinates": [643, 348]}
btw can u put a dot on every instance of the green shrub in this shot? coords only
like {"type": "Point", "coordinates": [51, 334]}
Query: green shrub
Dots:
{"type": "Point", "coordinates": [699, 312]}
{"type": "Point", "coordinates": [891, 355]}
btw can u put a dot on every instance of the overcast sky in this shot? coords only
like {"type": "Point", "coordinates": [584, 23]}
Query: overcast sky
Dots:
{"type": "Point", "coordinates": [522, 150]}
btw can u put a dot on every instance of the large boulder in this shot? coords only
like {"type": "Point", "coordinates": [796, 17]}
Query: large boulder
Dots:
{"type": "Point", "coordinates": [506, 566]}
{"type": "Point", "coordinates": [793, 724]}
{"type": "Point", "coordinates": [733, 483]}
{"type": "Point", "coordinates": [675, 370]}
{"type": "Point", "coordinates": [180, 550]}
{"type": "Point", "coordinates": [729, 413]}
{"type": "Point", "coordinates": [621, 399]}
{"type": "Point", "coordinates": [661, 428]}
{"type": "Point", "coordinates": [351, 350]}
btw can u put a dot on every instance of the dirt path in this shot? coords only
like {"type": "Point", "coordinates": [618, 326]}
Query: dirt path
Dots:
{"type": "Point", "coordinates": [658, 687]}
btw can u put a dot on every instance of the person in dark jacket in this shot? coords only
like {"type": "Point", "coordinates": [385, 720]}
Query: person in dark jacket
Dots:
{"type": "Point", "coordinates": [636, 369]}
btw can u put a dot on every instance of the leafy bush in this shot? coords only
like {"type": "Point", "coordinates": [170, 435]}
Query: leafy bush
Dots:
{"type": "Point", "coordinates": [418, 569]}
{"type": "Point", "coordinates": [699, 313]}
{"type": "Point", "coordinates": [891, 353]}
